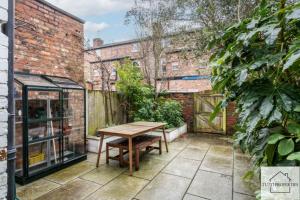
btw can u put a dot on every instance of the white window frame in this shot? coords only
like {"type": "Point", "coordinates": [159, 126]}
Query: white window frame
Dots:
{"type": "Point", "coordinates": [175, 66]}
{"type": "Point", "coordinates": [135, 48]}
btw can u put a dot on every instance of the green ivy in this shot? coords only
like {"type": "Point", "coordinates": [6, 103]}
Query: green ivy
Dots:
{"type": "Point", "coordinates": [256, 63]}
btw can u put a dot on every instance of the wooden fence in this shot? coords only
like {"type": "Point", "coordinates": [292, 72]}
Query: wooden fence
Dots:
{"type": "Point", "coordinates": [99, 112]}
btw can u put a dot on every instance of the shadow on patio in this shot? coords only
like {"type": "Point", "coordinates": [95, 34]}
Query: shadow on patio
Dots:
{"type": "Point", "coordinates": [197, 167]}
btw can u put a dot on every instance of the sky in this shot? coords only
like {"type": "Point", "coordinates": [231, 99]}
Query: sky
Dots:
{"type": "Point", "coordinates": [103, 18]}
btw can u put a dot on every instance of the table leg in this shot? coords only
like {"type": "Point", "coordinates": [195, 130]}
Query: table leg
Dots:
{"type": "Point", "coordinates": [166, 143]}
{"type": "Point", "coordinates": [100, 148]}
{"type": "Point", "coordinates": [130, 155]}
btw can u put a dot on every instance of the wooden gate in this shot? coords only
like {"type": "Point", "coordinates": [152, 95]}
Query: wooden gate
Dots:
{"type": "Point", "coordinates": [204, 105]}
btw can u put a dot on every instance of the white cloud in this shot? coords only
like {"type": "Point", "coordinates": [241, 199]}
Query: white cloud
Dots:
{"type": "Point", "coordinates": [91, 27]}
{"type": "Point", "coordinates": [84, 8]}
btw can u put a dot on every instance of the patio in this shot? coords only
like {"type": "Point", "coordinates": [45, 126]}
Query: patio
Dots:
{"type": "Point", "coordinates": [197, 167]}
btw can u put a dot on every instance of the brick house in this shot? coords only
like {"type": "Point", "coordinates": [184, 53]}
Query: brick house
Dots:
{"type": "Point", "coordinates": [48, 40]}
{"type": "Point", "coordinates": [179, 71]}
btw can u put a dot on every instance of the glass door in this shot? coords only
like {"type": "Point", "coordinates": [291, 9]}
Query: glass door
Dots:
{"type": "Point", "coordinates": [44, 133]}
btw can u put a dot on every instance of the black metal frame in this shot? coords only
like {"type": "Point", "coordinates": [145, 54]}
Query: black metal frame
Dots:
{"type": "Point", "coordinates": [26, 177]}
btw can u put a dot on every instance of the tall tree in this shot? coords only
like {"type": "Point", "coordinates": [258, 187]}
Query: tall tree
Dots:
{"type": "Point", "coordinates": [154, 21]}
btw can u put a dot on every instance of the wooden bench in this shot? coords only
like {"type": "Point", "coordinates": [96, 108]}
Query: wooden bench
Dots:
{"type": "Point", "coordinates": [139, 143]}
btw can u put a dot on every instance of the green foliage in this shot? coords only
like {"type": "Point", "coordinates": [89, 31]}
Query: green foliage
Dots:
{"type": "Point", "coordinates": [169, 111]}
{"type": "Point", "coordinates": [140, 101]}
{"type": "Point", "coordinates": [256, 64]}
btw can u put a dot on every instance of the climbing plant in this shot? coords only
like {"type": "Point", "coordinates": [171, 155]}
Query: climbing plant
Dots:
{"type": "Point", "coordinates": [256, 64]}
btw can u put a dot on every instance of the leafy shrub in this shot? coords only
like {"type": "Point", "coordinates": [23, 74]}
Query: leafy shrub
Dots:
{"type": "Point", "coordinates": [139, 98]}
{"type": "Point", "coordinates": [256, 64]}
{"type": "Point", "coordinates": [169, 111]}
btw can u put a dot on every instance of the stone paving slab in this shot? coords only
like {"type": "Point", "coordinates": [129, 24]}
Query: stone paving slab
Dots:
{"type": "Point", "coordinates": [213, 163]}
{"type": "Point", "coordinates": [35, 189]}
{"type": "Point", "coordinates": [74, 190]}
{"type": "Point", "coordinates": [165, 187]}
{"type": "Point", "coordinates": [178, 144]}
{"type": "Point", "coordinates": [212, 186]}
{"type": "Point", "coordinates": [242, 161]}
{"type": "Point", "coordinates": [183, 167]}
{"type": "Point", "coordinates": [122, 188]}
{"type": "Point", "coordinates": [149, 168]}
{"type": "Point", "coordinates": [198, 144]}
{"type": "Point", "coordinates": [192, 197]}
{"type": "Point", "coordinates": [160, 176]}
{"type": "Point", "coordinates": [164, 156]}
{"type": "Point", "coordinates": [221, 150]}
{"type": "Point", "coordinates": [237, 196]}
{"type": "Point", "coordinates": [240, 185]}
{"type": "Point", "coordinates": [103, 174]}
{"type": "Point", "coordinates": [72, 172]}
{"type": "Point", "coordinates": [193, 153]}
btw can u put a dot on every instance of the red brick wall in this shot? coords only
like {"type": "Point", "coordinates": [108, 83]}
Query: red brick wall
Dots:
{"type": "Point", "coordinates": [231, 118]}
{"type": "Point", "coordinates": [48, 41]}
{"type": "Point", "coordinates": [187, 102]}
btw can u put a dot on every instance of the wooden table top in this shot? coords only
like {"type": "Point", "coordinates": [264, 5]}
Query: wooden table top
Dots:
{"type": "Point", "coordinates": [143, 123]}
{"type": "Point", "coordinates": [131, 129]}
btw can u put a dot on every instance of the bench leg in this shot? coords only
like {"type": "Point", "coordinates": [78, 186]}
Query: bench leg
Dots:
{"type": "Point", "coordinates": [107, 154]}
{"type": "Point", "coordinates": [99, 150]}
{"type": "Point", "coordinates": [165, 138]}
{"type": "Point", "coordinates": [137, 159]}
{"type": "Point", "coordinates": [159, 146]}
{"type": "Point", "coordinates": [121, 162]}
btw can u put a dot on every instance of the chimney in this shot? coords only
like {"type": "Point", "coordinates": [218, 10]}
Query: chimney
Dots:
{"type": "Point", "coordinates": [97, 42]}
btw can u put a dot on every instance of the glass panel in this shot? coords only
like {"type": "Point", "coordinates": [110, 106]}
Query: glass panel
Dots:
{"type": "Point", "coordinates": [64, 82]}
{"type": "Point", "coordinates": [40, 130]}
{"type": "Point", "coordinates": [18, 128]}
{"type": "Point", "coordinates": [43, 105]}
{"type": "Point", "coordinates": [73, 123]}
{"type": "Point", "coordinates": [43, 154]}
{"type": "Point", "coordinates": [33, 80]}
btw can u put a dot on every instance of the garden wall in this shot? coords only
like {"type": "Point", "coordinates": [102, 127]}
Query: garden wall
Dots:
{"type": "Point", "coordinates": [99, 115]}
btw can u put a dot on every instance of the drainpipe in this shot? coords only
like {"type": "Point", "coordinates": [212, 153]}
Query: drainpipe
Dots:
{"type": "Point", "coordinates": [11, 150]}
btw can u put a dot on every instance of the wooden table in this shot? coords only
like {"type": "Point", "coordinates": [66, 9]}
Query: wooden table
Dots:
{"type": "Point", "coordinates": [130, 131]}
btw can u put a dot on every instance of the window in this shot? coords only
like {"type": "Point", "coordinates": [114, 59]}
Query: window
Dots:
{"type": "Point", "coordinates": [175, 66]}
{"type": "Point", "coordinates": [164, 69]}
{"type": "Point", "coordinates": [113, 75]}
{"type": "Point", "coordinates": [113, 72]}
{"type": "Point", "coordinates": [98, 52]}
{"type": "Point", "coordinates": [135, 48]}
{"type": "Point", "coordinates": [166, 42]}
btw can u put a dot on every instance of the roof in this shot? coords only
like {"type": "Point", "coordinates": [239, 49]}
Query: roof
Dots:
{"type": "Point", "coordinates": [37, 80]}
{"type": "Point", "coordinates": [61, 11]}
{"type": "Point", "coordinates": [135, 41]}
{"type": "Point", "coordinates": [115, 44]}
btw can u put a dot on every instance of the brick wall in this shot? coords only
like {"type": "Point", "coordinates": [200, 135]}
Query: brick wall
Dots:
{"type": "Point", "coordinates": [231, 118]}
{"type": "Point", "coordinates": [187, 102]}
{"type": "Point", "coordinates": [3, 99]}
{"type": "Point", "coordinates": [48, 41]}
